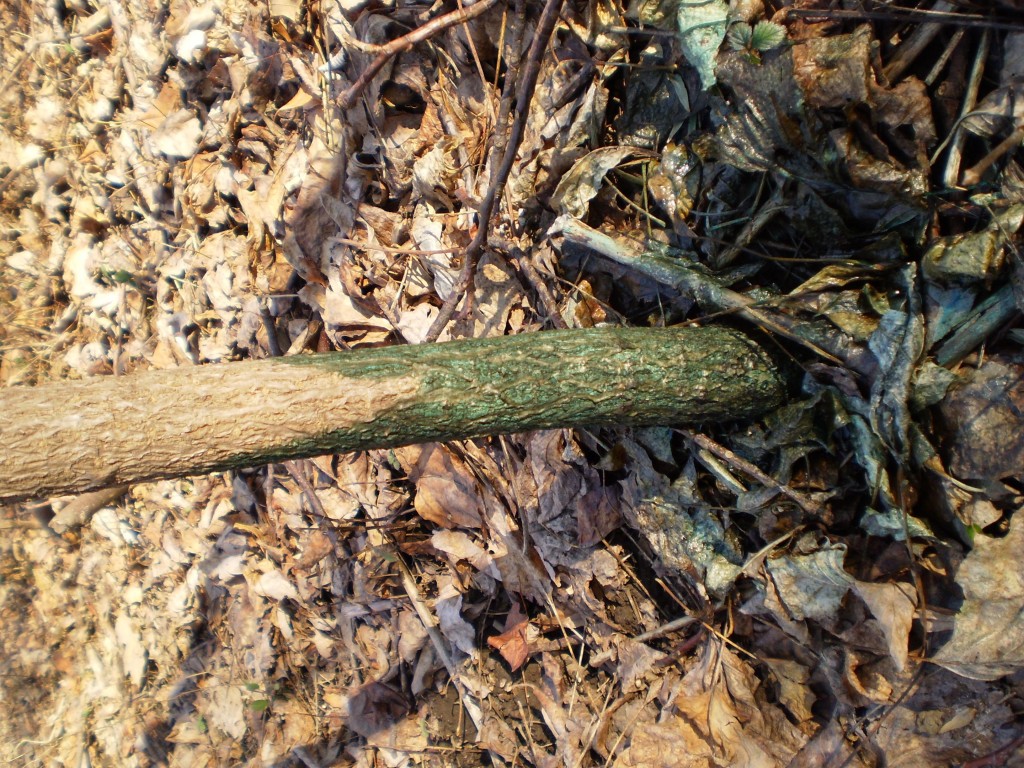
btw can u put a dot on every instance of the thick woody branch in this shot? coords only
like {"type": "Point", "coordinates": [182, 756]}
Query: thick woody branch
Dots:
{"type": "Point", "coordinates": [71, 437]}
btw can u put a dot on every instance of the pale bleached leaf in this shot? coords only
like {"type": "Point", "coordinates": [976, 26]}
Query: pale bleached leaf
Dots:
{"type": "Point", "coordinates": [583, 181]}
{"type": "Point", "coordinates": [702, 26]}
{"type": "Point", "coordinates": [988, 634]}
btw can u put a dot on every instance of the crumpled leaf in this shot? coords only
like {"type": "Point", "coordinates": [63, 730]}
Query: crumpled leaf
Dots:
{"type": "Point", "coordinates": [672, 742]}
{"type": "Point", "coordinates": [834, 70]}
{"type": "Point", "coordinates": [274, 584]}
{"type": "Point", "coordinates": [433, 271]}
{"type": "Point", "coordinates": [374, 708]}
{"type": "Point", "coordinates": [794, 691]}
{"type": "Point", "coordinates": [414, 324]}
{"type": "Point", "coordinates": [757, 123]}
{"type": "Point", "coordinates": [134, 656]}
{"type": "Point", "coordinates": [988, 635]}
{"type": "Point", "coordinates": [973, 258]}
{"type": "Point", "coordinates": [178, 135]}
{"type": "Point", "coordinates": [966, 259]}
{"type": "Point", "coordinates": [893, 605]}
{"type": "Point", "coordinates": [685, 534]}
{"type": "Point", "coordinates": [674, 184]}
{"type": "Point", "coordinates": [227, 559]}
{"type": "Point", "coordinates": [583, 181]}
{"type": "Point", "coordinates": [227, 710]}
{"type": "Point", "coordinates": [523, 573]}
{"type": "Point", "coordinates": [454, 627]}
{"type": "Point", "coordinates": [719, 697]}
{"type": "Point", "coordinates": [813, 586]}
{"type": "Point", "coordinates": [497, 290]}
{"type": "Point", "coordinates": [459, 546]}
{"type": "Point", "coordinates": [776, 122]}
{"type": "Point", "coordinates": [1000, 110]}
{"type": "Point", "coordinates": [897, 344]}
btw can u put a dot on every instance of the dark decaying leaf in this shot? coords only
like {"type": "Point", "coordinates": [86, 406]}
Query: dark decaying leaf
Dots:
{"type": "Point", "coordinates": [778, 123]}
{"type": "Point", "coordinates": [897, 345]}
{"type": "Point", "coordinates": [983, 419]}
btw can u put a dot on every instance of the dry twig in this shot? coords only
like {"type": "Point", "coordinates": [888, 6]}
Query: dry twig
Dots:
{"type": "Point", "coordinates": [405, 42]}
{"type": "Point", "coordinates": [807, 503]}
{"type": "Point", "coordinates": [525, 87]}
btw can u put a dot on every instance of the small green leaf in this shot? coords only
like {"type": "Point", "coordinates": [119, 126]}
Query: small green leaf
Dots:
{"type": "Point", "coordinates": [252, 686]}
{"type": "Point", "coordinates": [767, 35]}
{"type": "Point", "coordinates": [201, 725]}
{"type": "Point", "coordinates": [971, 531]}
{"type": "Point", "coordinates": [259, 705]}
{"type": "Point", "coordinates": [739, 36]}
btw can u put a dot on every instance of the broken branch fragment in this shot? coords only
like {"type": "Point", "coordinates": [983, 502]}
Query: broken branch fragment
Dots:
{"type": "Point", "coordinates": [71, 437]}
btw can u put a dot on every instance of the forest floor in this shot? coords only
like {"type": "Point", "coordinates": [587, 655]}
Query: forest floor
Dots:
{"type": "Point", "coordinates": [838, 584]}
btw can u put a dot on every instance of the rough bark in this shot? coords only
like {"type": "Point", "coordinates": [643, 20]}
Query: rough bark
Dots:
{"type": "Point", "coordinates": [70, 437]}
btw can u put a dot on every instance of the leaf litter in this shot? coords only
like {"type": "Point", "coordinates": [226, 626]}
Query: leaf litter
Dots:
{"type": "Point", "coordinates": [836, 584]}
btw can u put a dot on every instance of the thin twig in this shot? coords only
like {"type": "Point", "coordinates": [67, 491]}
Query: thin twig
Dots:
{"type": "Point", "coordinates": [392, 249]}
{"type": "Point", "coordinates": [295, 469]}
{"type": "Point", "coordinates": [912, 47]}
{"type": "Point", "coordinates": [958, 19]}
{"type": "Point", "coordinates": [525, 87]}
{"type": "Point", "coordinates": [673, 626]}
{"type": "Point", "coordinates": [515, 58]}
{"type": "Point", "coordinates": [805, 502]}
{"type": "Point", "coordinates": [524, 261]}
{"type": "Point", "coordinates": [997, 758]}
{"type": "Point", "coordinates": [751, 229]}
{"type": "Point", "coordinates": [430, 624]}
{"type": "Point", "coordinates": [973, 174]}
{"type": "Point", "coordinates": [405, 42]}
{"type": "Point", "coordinates": [951, 173]}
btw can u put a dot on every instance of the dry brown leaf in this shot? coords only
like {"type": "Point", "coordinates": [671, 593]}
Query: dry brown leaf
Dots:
{"type": "Point", "coordinates": [598, 513]}
{"type": "Point", "coordinates": [460, 547]}
{"type": "Point", "coordinates": [670, 742]}
{"type": "Point", "coordinates": [894, 606]}
{"type": "Point", "coordinates": [583, 181]}
{"type": "Point", "coordinates": [513, 643]}
{"type": "Point", "coordinates": [446, 491]}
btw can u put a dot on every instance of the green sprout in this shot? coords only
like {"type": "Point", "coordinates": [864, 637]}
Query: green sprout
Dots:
{"type": "Point", "coordinates": [756, 39]}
